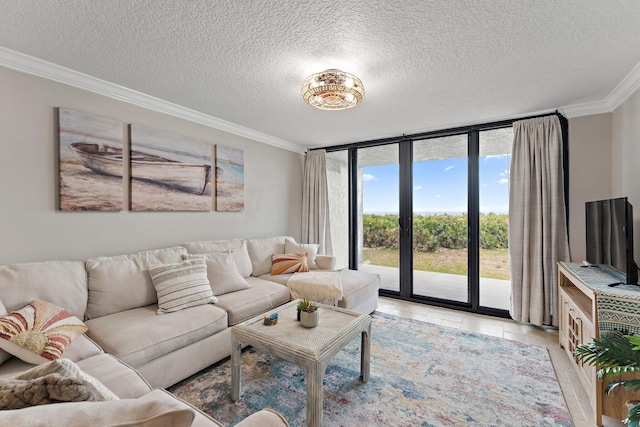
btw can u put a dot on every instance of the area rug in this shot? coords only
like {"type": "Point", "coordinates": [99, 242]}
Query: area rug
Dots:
{"type": "Point", "coordinates": [421, 375]}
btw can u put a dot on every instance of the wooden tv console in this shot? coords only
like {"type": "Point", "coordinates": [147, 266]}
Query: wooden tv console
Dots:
{"type": "Point", "coordinates": [579, 288]}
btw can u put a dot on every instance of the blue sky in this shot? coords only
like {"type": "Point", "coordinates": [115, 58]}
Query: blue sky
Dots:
{"type": "Point", "coordinates": [439, 186]}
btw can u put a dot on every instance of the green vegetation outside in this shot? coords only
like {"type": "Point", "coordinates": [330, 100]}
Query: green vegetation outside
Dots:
{"type": "Point", "coordinates": [440, 243]}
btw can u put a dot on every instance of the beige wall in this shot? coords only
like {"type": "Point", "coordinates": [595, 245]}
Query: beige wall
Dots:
{"type": "Point", "coordinates": [32, 230]}
{"type": "Point", "coordinates": [604, 162]}
{"type": "Point", "coordinates": [626, 158]}
{"type": "Point", "coordinates": [589, 173]}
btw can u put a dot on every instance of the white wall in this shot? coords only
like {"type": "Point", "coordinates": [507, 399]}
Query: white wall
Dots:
{"type": "Point", "coordinates": [626, 158]}
{"type": "Point", "coordinates": [32, 230]}
{"type": "Point", "coordinates": [589, 173]}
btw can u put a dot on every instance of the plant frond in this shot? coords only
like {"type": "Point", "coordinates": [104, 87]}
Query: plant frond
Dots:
{"type": "Point", "coordinates": [611, 350]}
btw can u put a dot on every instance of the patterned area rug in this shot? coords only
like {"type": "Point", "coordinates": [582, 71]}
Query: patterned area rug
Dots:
{"type": "Point", "coordinates": [421, 375]}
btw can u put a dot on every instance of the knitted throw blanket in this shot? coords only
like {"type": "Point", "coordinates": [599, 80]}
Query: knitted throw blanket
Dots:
{"type": "Point", "coordinates": [320, 286]}
{"type": "Point", "coordinates": [53, 388]}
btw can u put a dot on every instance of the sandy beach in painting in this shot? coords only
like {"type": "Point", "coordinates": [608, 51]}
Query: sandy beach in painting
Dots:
{"type": "Point", "coordinates": [98, 192]}
{"type": "Point", "coordinates": [229, 179]}
{"type": "Point", "coordinates": [151, 196]}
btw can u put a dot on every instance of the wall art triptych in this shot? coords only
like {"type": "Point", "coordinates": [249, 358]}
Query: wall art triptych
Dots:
{"type": "Point", "coordinates": [167, 172]}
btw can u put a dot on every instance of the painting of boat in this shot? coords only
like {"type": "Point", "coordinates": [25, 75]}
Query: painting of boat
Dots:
{"type": "Point", "coordinates": [169, 172]}
{"type": "Point", "coordinates": [107, 160]}
{"type": "Point", "coordinates": [90, 183]}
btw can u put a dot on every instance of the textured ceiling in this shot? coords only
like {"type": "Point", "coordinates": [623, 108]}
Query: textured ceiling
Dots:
{"type": "Point", "coordinates": [425, 65]}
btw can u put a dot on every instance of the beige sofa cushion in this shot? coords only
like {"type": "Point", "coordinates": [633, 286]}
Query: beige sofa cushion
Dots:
{"type": "Point", "coordinates": [63, 283]}
{"type": "Point", "coordinates": [261, 297]}
{"type": "Point", "coordinates": [124, 381]}
{"type": "Point", "coordinates": [123, 282]}
{"type": "Point", "coordinates": [238, 249]}
{"type": "Point", "coordinates": [264, 418]}
{"type": "Point", "coordinates": [222, 272]}
{"type": "Point", "coordinates": [357, 286]}
{"type": "Point", "coordinates": [3, 354]}
{"type": "Point", "coordinates": [155, 409]}
{"type": "Point", "coordinates": [260, 251]}
{"type": "Point", "coordinates": [139, 335]}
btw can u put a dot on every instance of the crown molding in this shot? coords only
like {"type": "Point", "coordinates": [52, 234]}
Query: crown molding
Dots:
{"type": "Point", "coordinates": [618, 95]}
{"type": "Point", "coordinates": [40, 68]}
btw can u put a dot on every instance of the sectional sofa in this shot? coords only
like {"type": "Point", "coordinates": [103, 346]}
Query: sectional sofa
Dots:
{"type": "Point", "coordinates": [137, 341]}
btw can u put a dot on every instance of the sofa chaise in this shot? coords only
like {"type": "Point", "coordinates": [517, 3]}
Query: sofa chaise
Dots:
{"type": "Point", "coordinates": [136, 342]}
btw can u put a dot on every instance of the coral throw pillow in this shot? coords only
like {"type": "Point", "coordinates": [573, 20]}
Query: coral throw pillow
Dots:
{"type": "Point", "coordinates": [39, 332]}
{"type": "Point", "coordinates": [289, 263]}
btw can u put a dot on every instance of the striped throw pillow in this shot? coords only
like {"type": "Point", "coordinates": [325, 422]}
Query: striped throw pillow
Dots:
{"type": "Point", "coordinates": [289, 263]}
{"type": "Point", "coordinates": [181, 285]}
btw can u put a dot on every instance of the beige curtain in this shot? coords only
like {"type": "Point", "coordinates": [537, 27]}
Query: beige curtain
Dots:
{"type": "Point", "coordinates": [315, 203]}
{"type": "Point", "coordinates": [537, 220]}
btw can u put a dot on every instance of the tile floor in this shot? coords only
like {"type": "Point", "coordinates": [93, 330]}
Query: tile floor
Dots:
{"type": "Point", "coordinates": [573, 391]}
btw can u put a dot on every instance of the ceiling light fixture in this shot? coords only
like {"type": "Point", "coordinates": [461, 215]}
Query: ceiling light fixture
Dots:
{"type": "Point", "coordinates": [332, 90]}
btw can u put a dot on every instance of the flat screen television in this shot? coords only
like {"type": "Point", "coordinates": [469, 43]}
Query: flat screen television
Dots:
{"type": "Point", "coordinates": [610, 236]}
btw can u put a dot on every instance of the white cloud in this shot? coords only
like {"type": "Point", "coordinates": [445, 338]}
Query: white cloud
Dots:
{"type": "Point", "coordinates": [505, 173]}
{"type": "Point", "coordinates": [368, 177]}
{"type": "Point", "coordinates": [495, 156]}
{"type": "Point", "coordinates": [439, 196]}
{"type": "Point", "coordinates": [448, 168]}
{"type": "Point", "coordinates": [418, 187]}
{"type": "Point", "coordinates": [504, 181]}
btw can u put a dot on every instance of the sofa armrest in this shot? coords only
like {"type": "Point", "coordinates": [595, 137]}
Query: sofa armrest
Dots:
{"type": "Point", "coordinates": [326, 262]}
{"type": "Point", "coordinates": [264, 418]}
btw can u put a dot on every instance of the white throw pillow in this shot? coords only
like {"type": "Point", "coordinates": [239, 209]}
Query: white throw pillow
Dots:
{"type": "Point", "coordinates": [260, 251]}
{"type": "Point", "coordinates": [291, 247]}
{"type": "Point", "coordinates": [181, 285]}
{"type": "Point", "coordinates": [238, 249]}
{"type": "Point", "coordinates": [222, 272]}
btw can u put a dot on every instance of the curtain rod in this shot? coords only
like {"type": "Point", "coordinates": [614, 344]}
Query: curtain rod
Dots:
{"type": "Point", "coordinates": [437, 133]}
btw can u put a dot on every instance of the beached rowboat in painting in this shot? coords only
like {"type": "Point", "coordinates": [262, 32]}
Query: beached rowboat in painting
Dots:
{"type": "Point", "coordinates": [107, 160]}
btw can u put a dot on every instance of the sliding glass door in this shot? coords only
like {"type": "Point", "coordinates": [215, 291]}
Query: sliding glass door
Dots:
{"type": "Point", "coordinates": [440, 211]}
{"type": "Point", "coordinates": [429, 215]}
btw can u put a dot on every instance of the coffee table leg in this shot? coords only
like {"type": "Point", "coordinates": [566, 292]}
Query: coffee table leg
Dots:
{"type": "Point", "coordinates": [365, 354]}
{"type": "Point", "coordinates": [313, 376]}
{"type": "Point", "coordinates": [236, 369]}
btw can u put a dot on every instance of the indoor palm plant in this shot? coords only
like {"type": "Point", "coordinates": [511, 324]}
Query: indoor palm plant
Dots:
{"type": "Point", "coordinates": [615, 353]}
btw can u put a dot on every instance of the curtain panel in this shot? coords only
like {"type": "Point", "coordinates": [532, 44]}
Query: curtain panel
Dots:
{"type": "Point", "coordinates": [537, 220]}
{"type": "Point", "coordinates": [315, 203]}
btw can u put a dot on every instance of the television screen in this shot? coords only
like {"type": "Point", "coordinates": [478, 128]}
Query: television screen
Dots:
{"type": "Point", "coordinates": [609, 226]}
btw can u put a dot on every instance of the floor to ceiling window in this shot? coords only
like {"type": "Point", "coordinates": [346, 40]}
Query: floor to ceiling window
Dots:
{"type": "Point", "coordinates": [428, 213]}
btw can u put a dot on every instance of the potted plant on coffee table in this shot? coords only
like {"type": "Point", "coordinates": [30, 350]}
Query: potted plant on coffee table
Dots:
{"type": "Point", "coordinates": [615, 353]}
{"type": "Point", "coordinates": [309, 314]}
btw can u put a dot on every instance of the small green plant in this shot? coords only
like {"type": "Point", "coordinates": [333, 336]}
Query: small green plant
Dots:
{"type": "Point", "coordinates": [615, 353]}
{"type": "Point", "coordinates": [308, 306]}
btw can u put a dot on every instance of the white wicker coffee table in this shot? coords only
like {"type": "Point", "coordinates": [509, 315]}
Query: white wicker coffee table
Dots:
{"type": "Point", "coordinates": [310, 348]}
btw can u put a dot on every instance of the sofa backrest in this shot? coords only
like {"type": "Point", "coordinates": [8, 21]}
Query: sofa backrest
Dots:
{"type": "Point", "coordinates": [123, 282]}
{"type": "Point", "coordinates": [238, 248]}
{"type": "Point", "coordinates": [63, 283]}
{"type": "Point", "coordinates": [260, 251]}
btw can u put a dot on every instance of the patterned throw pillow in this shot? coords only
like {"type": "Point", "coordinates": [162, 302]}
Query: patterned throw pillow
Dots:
{"type": "Point", "coordinates": [290, 247]}
{"type": "Point", "coordinates": [182, 285]}
{"type": "Point", "coordinates": [39, 332]}
{"type": "Point", "coordinates": [289, 263]}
